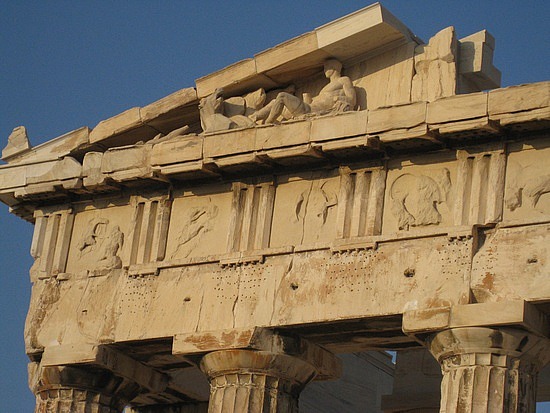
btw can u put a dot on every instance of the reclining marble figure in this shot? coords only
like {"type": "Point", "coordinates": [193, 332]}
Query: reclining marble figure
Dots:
{"type": "Point", "coordinates": [336, 97]}
{"type": "Point", "coordinates": [213, 114]}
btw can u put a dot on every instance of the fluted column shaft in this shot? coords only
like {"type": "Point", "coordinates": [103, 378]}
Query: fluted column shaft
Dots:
{"type": "Point", "coordinates": [248, 381]}
{"type": "Point", "coordinates": [69, 400]}
{"type": "Point", "coordinates": [490, 370]}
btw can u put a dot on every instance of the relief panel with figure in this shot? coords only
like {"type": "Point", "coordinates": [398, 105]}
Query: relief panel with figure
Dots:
{"type": "Point", "coordinates": [99, 241]}
{"type": "Point", "coordinates": [306, 209]}
{"type": "Point", "coordinates": [418, 196]}
{"type": "Point", "coordinates": [199, 224]}
{"type": "Point", "coordinates": [527, 193]}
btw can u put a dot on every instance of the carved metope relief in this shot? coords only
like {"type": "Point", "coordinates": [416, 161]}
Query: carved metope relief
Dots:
{"type": "Point", "coordinates": [526, 186]}
{"type": "Point", "coordinates": [527, 194]}
{"type": "Point", "coordinates": [312, 208]}
{"type": "Point", "coordinates": [251, 215]}
{"type": "Point", "coordinates": [100, 245]}
{"type": "Point", "coordinates": [479, 187]}
{"type": "Point", "coordinates": [415, 198]}
{"type": "Point", "coordinates": [197, 222]}
{"type": "Point", "coordinates": [50, 243]}
{"type": "Point", "coordinates": [149, 229]}
{"type": "Point", "coordinates": [361, 201]}
{"type": "Point", "coordinates": [306, 209]}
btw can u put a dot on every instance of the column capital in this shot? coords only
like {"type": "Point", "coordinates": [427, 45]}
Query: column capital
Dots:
{"type": "Point", "coordinates": [490, 353]}
{"type": "Point", "coordinates": [517, 314]}
{"type": "Point", "coordinates": [69, 389]}
{"type": "Point", "coordinates": [260, 339]}
{"type": "Point", "coordinates": [498, 346]}
{"type": "Point", "coordinates": [490, 368]}
{"type": "Point", "coordinates": [252, 381]}
{"type": "Point", "coordinates": [282, 366]}
{"type": "Point", "coordinates": [267, 379]}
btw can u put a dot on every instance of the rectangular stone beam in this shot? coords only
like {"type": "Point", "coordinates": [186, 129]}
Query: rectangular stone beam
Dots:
{"type": "Point", "coordinates": [509, 313]}
{"type": "Point", "coordinates": [182, 381]}
{"type": "Point", "coordinates": [101, 356]}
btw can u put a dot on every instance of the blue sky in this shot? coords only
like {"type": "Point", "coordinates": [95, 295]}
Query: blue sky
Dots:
{"type": "Point", "coordinates": [67, 64]}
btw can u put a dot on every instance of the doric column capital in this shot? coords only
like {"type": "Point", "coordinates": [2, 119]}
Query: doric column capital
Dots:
{"type": "Point", "coordinates": [490, 353]}
{"type": "Point", "coordinates": [497, 346]}
{"type": "Point", "coordinates": [489, 368]}
{"type": "Point", "coordinates": [295, 371]}
{"type": "Point", "coordinates": [256, 381]}
{"type": "Point", "coordinates": [327, 365]}
{"type": "Point", "coordinates": [71, 389]}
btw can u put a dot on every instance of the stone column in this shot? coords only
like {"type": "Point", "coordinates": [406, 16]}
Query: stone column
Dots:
{"type": "Point", "coordinates": [250, 381]}
{"type": "Point", "coordinates": [488, 369]}
{"type": "Point", "coordinates": [60, 389]}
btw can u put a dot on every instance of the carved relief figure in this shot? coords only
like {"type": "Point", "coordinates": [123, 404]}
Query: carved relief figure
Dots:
{"type": "Point", "coordinates": [338, 96]}
{"type": "Point", "coordinates": [111, 245]}
{"type": "Point", "coordinates": [218, 115]}
{"type": "Point", "coordinates": [197, 222]}
{"type": "Point", "coordinates": [103, 242]}
{"type": "Point", "coordinates": [414, 198]}
{"type": "Point", "coordinates": [90, 240]}
{"type": "Point", "coordinates": [525, 184]}
{"type": "Point", "coordinates": [312, 208]}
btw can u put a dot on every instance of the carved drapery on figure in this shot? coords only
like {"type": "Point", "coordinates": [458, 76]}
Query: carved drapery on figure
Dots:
{"type": "Point", "coordinates": [330, 227]}
{"type": "Point", "coordinates": [336, 97]}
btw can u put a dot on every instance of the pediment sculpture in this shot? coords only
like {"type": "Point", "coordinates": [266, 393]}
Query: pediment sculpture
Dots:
{"type": "Point", "coordinates": [219, 114]}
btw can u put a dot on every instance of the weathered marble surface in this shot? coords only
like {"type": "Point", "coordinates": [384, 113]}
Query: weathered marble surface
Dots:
{"type": "Point", "coordinates": [169, 237]}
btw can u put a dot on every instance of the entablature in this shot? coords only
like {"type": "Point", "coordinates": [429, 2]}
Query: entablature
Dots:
{"type": "Point", "coordinates": [384, 133]}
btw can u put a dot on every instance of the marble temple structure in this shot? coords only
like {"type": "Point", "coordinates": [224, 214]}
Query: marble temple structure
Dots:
{"type": "Point", "coordinates": [274, 230]}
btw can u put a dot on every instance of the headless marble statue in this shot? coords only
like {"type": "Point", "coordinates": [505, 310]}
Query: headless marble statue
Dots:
{"type": "Point", "coordinates": [338, 96]}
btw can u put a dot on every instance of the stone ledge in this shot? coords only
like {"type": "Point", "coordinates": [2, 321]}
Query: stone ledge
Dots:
{"type": "Point", "coordinates": [457, 108]}
{"type": "Point", "coordinates": [396, 117]}
{"type": "Point", "coordinates": [137, 123]}
{"type": "Point", "coordinates": [337, 246]}
{"type": "Point", "coordinates": [519, 98]}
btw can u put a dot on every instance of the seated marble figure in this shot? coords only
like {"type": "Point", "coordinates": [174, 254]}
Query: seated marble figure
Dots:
{"type": "Point", "coordinates": [336, 97]}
